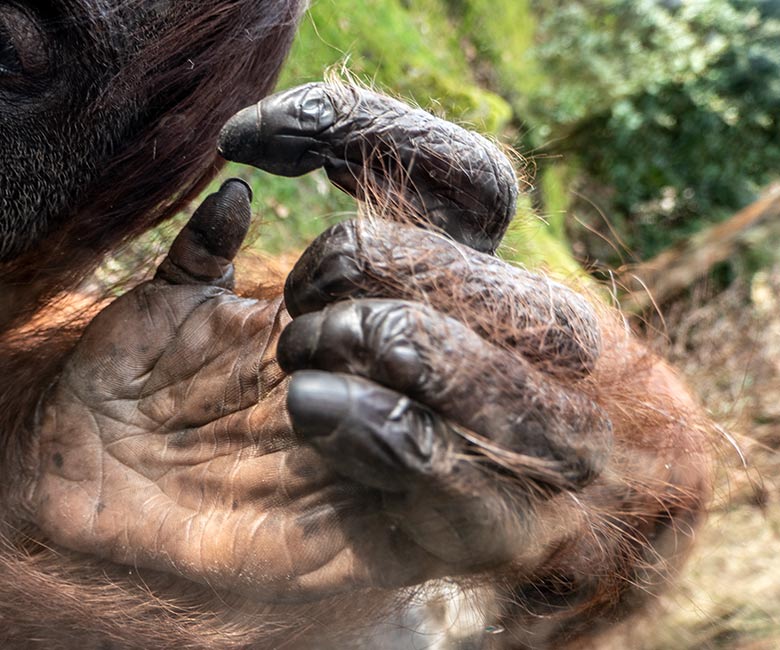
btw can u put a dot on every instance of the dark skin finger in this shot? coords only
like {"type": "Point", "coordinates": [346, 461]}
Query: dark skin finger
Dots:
{"type": "Point", "coordinates": [203, 251]}
{"type": "Point", "coordinates": [550, 325]}
{"type": "Point", "coordinates": [561, 439]}
{"type": "Point", "coordinates": [381, 439]}
{"type": "Point", "coordinates": [377, 148]}
{"type": "Point", "coordinates": [367, 432]}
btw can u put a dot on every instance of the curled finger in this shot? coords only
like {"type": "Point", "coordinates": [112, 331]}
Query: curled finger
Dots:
{"type": "Point", "coordinates": [381, 150]}
{"type": "Point", "coordinates": [551, 326]}
{"type": "Point", "coordinates": [536, 429]}
{"type": "Point", "coordinates": [368, 432]}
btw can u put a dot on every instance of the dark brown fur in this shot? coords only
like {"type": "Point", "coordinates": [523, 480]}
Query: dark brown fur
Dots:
{"type": "Point", "coordinates": [173, 91]}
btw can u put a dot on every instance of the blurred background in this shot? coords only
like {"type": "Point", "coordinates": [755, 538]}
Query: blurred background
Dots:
{"type": "Point", "coordinates": [648, 134]}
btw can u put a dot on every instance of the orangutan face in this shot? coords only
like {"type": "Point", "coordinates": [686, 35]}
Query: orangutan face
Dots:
{"type": "Point", "coordinates": [50, 72]}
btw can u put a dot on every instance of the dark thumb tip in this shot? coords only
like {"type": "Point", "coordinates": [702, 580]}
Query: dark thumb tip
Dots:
{"type": "Point", "coordinates": [235, 184]}
{"type": "Point", "coordinates": [222, 220]}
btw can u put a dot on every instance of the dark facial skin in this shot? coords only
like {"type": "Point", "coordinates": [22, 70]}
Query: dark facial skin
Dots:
{"type": "Point", "coordinates": [43, 161]}
{"type": "Point", "coordinates": [56, 63]}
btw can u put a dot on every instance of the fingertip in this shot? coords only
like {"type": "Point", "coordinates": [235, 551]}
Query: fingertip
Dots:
{"type": "Point", "coordinates": [204, 249]}
{"type": "Point", "coordinates": [281, 133]}
{"type": "Point", "coordinates": [317, 402]}
{"type": "Point", "coordinates": [233, 184]}
{"type": "Point", "coordinates": [241, 137]}
{"type": "Point", "coordinates": [298, 341]}
{"type": "Point", "coordinates": [222, 221]}
{"type": "Point", "coordinates": [331, 269]}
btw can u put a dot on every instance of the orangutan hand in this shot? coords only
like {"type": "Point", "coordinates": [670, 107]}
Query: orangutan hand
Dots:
{"type": "Point", "coordinates": [424, 367]}
{"type": "Point", "coordinates": [166, 443]}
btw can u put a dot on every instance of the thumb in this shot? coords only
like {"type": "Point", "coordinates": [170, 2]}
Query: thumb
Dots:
{"type": "Point", "coordinates": [203, 251]}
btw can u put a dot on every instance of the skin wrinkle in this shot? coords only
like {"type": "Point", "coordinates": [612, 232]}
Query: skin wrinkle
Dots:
{"type": "Point", "coordinates": [287, 545]}
{"type": "Point", "coordinates": [100, 492]}
{"type": "Point", "coordinates": [459, 373]}
{"type": "Point", "coordinates": [235, 499]}
{"type": "Point", "coordinates": [202, 562]}
{"type": "Point", "coordinates": [239, 565]}
{"type": "Point", "coordinates": [158, 534]}
{"type": "Point", "coordinates": [233, 375]}
{"type": "Point", "coordinates": [283, 482]}
{"type": "Point", "coordinates": [191, 379]}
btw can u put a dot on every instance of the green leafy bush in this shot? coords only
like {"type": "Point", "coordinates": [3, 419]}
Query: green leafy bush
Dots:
{"type": "Point", "coordinates": [671, 105]}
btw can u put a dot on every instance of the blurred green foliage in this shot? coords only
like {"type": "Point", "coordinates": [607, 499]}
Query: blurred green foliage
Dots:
{"type": "Point", "coordinates": [671, 105]}
{"type": "Point", "coordinates": [412, 52]}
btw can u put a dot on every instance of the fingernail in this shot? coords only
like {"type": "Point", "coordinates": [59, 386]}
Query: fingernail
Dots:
{"type": "Point", "coordinates": [237, 182]}
{"type": "Point", "coordinates": [317, 401]}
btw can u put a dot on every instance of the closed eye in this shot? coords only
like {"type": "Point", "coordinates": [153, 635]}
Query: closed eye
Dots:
{"type": "Point", "coordinates": [23, 47]}
{"type": "Point", "coordinates": [9, 59]}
